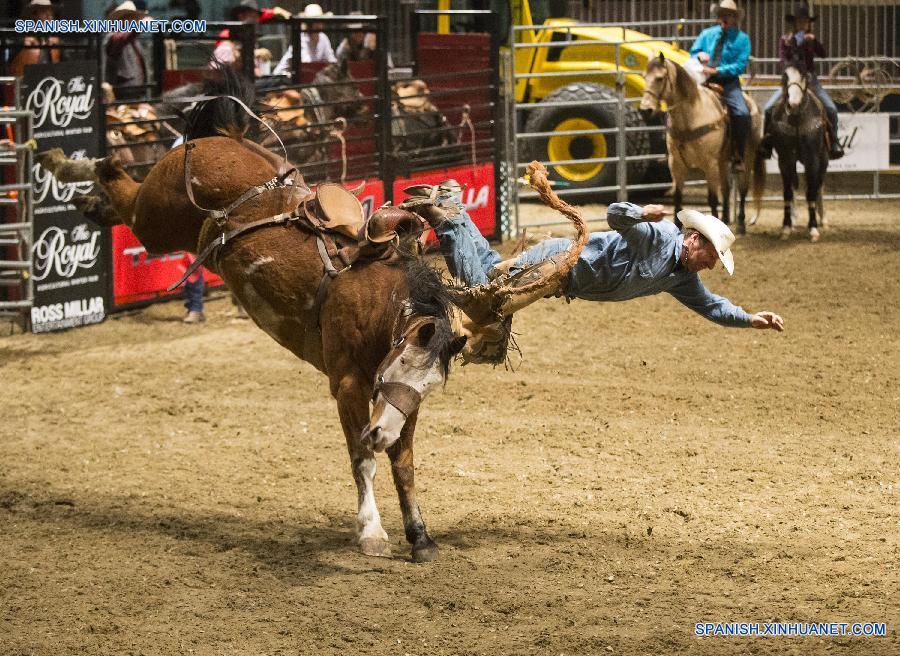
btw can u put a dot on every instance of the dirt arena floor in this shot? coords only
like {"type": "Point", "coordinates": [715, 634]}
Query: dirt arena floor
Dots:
{"type": "Point", "coordinates": [172, 489]}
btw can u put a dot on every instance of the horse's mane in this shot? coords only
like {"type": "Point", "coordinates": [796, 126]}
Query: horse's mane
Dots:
{"type": "Point", "coordinates": [430, 297]}
{"type": "Point", "coordinates": [686, 85]}
{"type": "Point", "coordinates": [222, 116]}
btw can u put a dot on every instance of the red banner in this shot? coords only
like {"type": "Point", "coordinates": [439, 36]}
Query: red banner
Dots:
{"type": "Point", "coordinates": [478, 191]}
{"type": "Point", "coordinates": [138, 276]}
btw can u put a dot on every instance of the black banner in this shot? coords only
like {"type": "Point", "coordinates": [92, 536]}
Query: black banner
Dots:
{"type": "Point", "coordinates": [70, 254]}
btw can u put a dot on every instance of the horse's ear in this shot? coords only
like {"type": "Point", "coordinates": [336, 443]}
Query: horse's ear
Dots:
{"type": "Point", "coordinates": [662, 57]}
{"type": "Point", "coordinates": [456, 345]}
{"type": "Point", "coordinates": [424, 334]}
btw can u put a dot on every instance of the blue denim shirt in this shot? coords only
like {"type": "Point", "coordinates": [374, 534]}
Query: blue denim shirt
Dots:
{"type": "Point", "coordinates": [638, 258]}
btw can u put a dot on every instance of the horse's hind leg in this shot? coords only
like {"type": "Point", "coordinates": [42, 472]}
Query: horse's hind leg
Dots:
{"type": "Point", "coordinates": [402, 467]}
{"type": "Point", "coordinates": [353, 409]}
{"type": "Point", "coordinates": [679, 173]}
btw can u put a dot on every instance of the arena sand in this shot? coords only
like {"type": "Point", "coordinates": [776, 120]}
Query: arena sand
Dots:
{"type": "Point", "coordinates": [170, 489]}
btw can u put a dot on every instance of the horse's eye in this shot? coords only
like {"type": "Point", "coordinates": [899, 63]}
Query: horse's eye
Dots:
{"type": "Point", "coordinates": [402, 360]}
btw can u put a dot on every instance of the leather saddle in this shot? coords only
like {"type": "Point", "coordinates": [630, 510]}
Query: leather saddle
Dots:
{"type": "Point", "coordinates": [334, 208]}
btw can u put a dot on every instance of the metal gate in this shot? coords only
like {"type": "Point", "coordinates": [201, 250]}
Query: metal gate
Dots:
{"type": "Point", "coordinates": [16, 229]}
{"type": "Point", "coordinates": [861, 82]}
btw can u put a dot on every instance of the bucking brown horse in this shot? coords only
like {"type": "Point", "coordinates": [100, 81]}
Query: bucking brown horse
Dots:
{"type": "Point", "coordinates": [381, 332]}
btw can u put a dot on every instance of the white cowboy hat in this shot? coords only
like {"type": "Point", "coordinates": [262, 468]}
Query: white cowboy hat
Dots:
{"type": "Point", "coordinates": [726, 5]}
{"type": "Point", "coordinates": [127, 11]}
{"type": "Point", "coordinates": [718, 234]}
{"type": "Point", "coordinates": [314, 11]}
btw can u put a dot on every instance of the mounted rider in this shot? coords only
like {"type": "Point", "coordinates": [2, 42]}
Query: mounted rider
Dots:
{"type": "Point", "coordinates": [724, 51]}
{"type": "Point", "coordinates": [801, 47]}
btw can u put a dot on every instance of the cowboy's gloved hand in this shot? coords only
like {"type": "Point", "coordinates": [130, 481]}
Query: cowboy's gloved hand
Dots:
{"type": "Point", "coordinates": [653, 212]}
{"type": "Point", "coordinates": [763, 320]}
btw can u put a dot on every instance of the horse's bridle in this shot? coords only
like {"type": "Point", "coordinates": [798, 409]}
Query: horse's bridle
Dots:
{"type": "Point", "coordinates": [659, 96]}
{"type": "Point", "coordinates": [405, 398]}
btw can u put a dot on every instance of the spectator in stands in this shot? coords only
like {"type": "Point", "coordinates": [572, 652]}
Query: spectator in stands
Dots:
{"type": "Point", "coordinates": [126, 66]}
{"type": "Point", "coordinates": [315, 45]}
{"type": "Point", "coordinates": [39, 10]}
{"type": "Point", "coordinates": [228, 51]}
{"type": "Point", "coordinates": [800, 46]}
{"type": "Point", "coordinates": [357, 45]}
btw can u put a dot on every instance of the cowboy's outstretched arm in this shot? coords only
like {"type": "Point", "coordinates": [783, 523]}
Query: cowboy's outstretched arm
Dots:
{"type": "Point", "coordinates": [717, 309]}
{"type": "Point", "coordinates": [622, 216]}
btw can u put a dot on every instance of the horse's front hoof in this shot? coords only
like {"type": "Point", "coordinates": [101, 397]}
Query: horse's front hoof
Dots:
{"type": "Point", "coordinates": [425, 554]}
{"type": "Point", "coordinates": [785, 233]}
{"type": "Point", "coordinates": [741, 228]}
{"type": "Point", "coordinates": [814, 235]}
{"type": "Point", "coordinates": [375, 547]}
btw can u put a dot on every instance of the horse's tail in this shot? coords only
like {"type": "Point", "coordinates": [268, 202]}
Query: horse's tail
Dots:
{"type": "Point", "coordinates": [222, 116]}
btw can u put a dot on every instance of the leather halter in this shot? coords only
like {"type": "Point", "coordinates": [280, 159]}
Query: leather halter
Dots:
{"type": "Point", "coordinates": [405, 398]}
{"type": "Point", "coordinates": [659, 96]}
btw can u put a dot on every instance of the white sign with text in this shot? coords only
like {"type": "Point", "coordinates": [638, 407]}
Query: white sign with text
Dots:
{"type": "Point", "coordinates": [865, 138]}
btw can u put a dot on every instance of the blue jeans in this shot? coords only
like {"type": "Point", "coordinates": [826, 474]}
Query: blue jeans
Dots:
{"type": "Point", "coordinates": [816, 87]}
{"type": "Point", "coordinates": [469, 255]}
{"type": "Point", "coordinates": [733, 97]}
{"type": "Point", "coordinates": [193, 292]}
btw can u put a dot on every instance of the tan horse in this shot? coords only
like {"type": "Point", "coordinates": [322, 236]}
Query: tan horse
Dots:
{"type": "Point", "coordinates": [382, 332]}
{"type": "Point", "coordinates": [697, 137]}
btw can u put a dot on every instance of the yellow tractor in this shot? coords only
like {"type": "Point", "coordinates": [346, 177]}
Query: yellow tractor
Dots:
{"type": "Point", "coordinates": [583, 83]}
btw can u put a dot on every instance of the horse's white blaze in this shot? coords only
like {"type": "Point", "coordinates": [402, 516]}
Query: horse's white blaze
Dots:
{"type": "Point", "coordinates": [258, 262]}
{"type": "Point", "coordinates": [368, 520]}
{"type": "Point", "coordinates": [796, 87]}
{"type": "Point", "coordinates": [413, 369]}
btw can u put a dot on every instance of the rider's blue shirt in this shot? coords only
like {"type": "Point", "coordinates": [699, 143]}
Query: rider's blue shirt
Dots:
{"type": "Point", "coordinates": [735, 52]}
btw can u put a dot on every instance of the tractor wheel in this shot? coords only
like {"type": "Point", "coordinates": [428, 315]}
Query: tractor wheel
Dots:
{"type": "Point", "coordinates": [584, 116]}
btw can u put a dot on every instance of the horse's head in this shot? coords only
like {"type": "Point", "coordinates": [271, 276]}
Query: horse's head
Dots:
{"type": "Point", "coordinates": [657, 86]}
{"type": "Point", "coordinates": [419, 361]}
{"type": "Point", "coordinates": [419, 358]}
{"type": "Point", "coordinates": [794, 83]}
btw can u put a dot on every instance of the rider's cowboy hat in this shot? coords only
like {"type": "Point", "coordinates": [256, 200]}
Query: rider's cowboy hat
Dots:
{"type": "Point", "coordinates": [127, 11]}
{"type": "Point", "coordinates": [726, 5]}
{"type": "Point", "coordinates": [34, 6]}
{"type": "Point", "coordinates": [716, 232]}
{"type": "Point", "coordinates": [800, 11]}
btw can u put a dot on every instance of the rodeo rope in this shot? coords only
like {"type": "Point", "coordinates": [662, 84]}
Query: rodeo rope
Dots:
{"type": "Point", "coordinates": [467, 122]}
